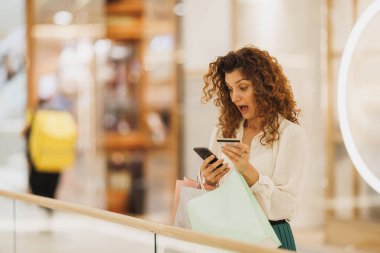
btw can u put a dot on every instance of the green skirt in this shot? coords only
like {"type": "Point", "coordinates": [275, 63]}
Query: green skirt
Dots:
{"type": "Point", "coordinates": [285, 234]}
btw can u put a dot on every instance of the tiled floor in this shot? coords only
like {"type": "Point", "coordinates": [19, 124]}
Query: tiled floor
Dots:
{"type": "Point", "coordinates": [312, 241]}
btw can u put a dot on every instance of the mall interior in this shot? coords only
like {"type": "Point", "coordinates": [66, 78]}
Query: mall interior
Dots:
{"type": "Point", "coordinates": [132, 72]}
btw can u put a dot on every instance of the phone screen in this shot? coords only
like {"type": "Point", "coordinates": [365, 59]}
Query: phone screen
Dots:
{"type": "Point", "coordinates": [204, 152]}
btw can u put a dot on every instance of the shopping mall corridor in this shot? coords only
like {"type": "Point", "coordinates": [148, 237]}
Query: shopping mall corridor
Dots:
{"type": "Point", "coordinates": [63, 232]}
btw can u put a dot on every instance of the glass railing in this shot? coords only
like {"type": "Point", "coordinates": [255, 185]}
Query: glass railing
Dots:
{"type": "Point", "coordinates": [31, 224]}
{"type": "Point", "coordinates": [167, 244]}
{"type": "Point", "coordinates": [45, 230]}
{"type": "Point", "coordinates": [7, 224]}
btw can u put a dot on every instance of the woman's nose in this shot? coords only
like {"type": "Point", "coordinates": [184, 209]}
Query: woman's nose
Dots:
{"type": "Point", "coordinates": [234, 96]}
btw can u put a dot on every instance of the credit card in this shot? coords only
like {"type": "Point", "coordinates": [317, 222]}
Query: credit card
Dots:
{"type": "Point", "coordinates": [228, 140]}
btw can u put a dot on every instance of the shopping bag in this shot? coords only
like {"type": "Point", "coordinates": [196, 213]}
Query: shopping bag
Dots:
{"type": "Point", "coordinates": [232, 211]}
{"type": "Point", "coordinates": [185, 190]}
{"type": "Point", "coordinates": [186, 193]}
{"type": "Point", "coordinates": [186, 182]}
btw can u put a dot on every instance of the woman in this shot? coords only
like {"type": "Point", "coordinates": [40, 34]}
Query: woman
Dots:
{"type": "Point", "coordinates": [257, 106]}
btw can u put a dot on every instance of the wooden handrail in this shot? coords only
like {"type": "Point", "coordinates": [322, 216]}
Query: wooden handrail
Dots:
{"type": "Point", "coordinates": [161, 229]}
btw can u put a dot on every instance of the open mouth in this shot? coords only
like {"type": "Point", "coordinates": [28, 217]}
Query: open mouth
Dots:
{"type": "Point", "coordinates": [243, 108]}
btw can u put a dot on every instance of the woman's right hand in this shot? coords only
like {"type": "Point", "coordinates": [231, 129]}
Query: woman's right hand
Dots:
{"type": "Point", "coordinates": [211, 173]}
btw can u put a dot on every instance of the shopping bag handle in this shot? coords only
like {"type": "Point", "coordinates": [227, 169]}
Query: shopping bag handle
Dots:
{"type": "Point", "coordinates": [200, 181]}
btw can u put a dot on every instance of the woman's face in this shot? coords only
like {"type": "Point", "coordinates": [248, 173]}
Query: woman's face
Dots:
{"type": "Point", "coordinates": [241, 93]}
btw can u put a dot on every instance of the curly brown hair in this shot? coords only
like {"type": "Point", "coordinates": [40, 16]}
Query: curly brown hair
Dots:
{"type": "Point", "coordinates": [272, 91]}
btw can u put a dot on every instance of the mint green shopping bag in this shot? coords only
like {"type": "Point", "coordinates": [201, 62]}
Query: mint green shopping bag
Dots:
{"type": "Point", "coordinates": [232, 211]}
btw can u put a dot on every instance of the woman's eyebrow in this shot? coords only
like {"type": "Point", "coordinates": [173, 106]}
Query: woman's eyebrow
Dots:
{"type": "Point", "coordinates": [243, 79]}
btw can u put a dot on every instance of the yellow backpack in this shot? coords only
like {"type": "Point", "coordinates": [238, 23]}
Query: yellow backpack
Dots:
{"type": "Point", "coordinates": [53, 140]}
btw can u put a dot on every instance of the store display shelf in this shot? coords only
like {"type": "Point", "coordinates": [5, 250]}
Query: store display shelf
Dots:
{"type": "Point", "coordinates": [152, 28]}
{"type": "Point", "coordinates": [131, 7]}
{"type": "Point", "coordinates": [138, 26]}
{"type": "Point", "coordinates": [124, 32]}
{"type": "Point", "coordinates": [117, 200]}
{"type": "Point", "coordinates": [51, 31]}
{"type": "Point", "coordinates": [133, 140]}
{"type": "Point", "coordinates": [163, 145]}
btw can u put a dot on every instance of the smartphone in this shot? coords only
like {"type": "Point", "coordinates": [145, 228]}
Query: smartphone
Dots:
{"type": "Point", "coordinates": [204, 152]}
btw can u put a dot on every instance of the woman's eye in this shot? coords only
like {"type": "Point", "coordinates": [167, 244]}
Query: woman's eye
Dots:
{"type": "Point", "coordinates": [243, 88]}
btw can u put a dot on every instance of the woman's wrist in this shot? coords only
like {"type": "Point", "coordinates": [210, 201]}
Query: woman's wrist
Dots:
{"type": "Point", "coordinates": [246, 169]}
{"type": "Point", "coordinates": [209, 183]}
{"type": "Point", "coordinates": [250, 175]}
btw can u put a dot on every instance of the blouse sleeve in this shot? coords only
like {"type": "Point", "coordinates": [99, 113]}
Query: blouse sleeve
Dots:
{"type": "Point", "coordinates": [279, 194]}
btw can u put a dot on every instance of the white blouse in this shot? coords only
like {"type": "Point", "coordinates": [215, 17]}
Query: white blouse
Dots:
{"type": "Point", "coordinates": [281, 168]}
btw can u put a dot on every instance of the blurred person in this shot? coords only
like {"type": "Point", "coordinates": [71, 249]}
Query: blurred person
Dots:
{"type": "Point", "coordinates": [43, 183]}
{"type": "Point", "coordinates": [12, 54]}
{"type": "Point", "coordinates": [256, 106]}
{"type": "Point", "coordinates": [10, 70]}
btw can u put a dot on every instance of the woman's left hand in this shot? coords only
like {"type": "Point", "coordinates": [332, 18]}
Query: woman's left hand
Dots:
{"type": "Point", "coordinates": [239, 154]}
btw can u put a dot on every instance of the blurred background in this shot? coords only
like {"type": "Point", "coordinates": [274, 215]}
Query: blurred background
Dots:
{"type": "Point", "coordinates": [132, 72]}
